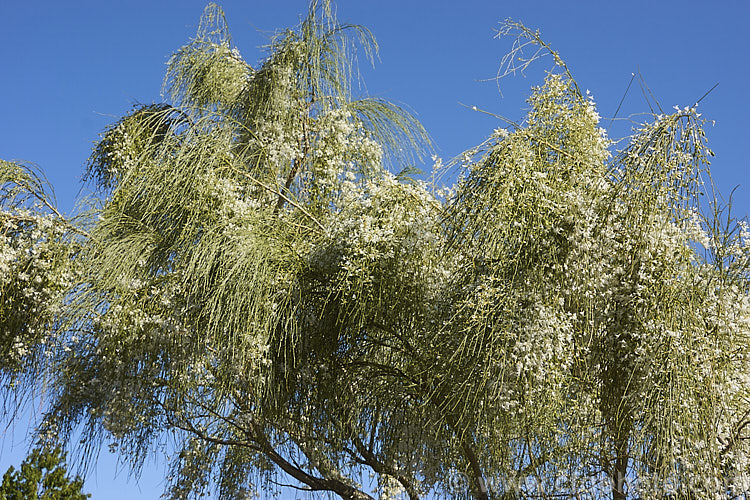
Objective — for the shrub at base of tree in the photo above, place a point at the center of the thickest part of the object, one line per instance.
(43, 476)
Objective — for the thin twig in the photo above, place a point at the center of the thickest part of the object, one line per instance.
(281, 195)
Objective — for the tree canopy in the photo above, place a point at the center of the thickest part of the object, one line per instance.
(262, 283)
(43, 476)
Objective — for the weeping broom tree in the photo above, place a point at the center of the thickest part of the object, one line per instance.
(253, 284)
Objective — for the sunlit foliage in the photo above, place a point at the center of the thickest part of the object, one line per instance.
(43, 475)
(259, 291)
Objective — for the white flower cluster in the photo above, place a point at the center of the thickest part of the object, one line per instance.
(390, 489)
(229, 72)
(279, 144)
(570, 120)
(237, 204)
(384, 237)
(342, 150)
(221, 78)
(122, 157)
(34, 273)
(384, 218)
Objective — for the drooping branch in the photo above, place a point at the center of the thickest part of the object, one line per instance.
(371, 460)
(343, 490)
(296, 162)
(257, 441)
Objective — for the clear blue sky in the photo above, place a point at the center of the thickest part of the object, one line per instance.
(68, 69)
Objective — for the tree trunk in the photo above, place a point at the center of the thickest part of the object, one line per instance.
(619, 472)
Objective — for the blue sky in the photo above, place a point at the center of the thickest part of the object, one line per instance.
(71, 68)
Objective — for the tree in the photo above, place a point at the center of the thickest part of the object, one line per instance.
(252, 281)
(43, 476)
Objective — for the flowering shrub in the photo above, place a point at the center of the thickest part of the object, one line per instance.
(255, 284)
(34, 272)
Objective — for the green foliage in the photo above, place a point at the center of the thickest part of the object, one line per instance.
(43, 476)
(256, 285)
(34, 264)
